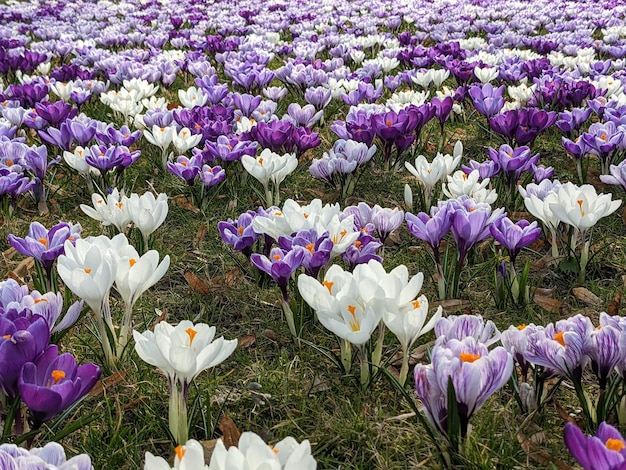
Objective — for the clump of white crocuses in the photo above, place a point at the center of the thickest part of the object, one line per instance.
(351, 305)
(270, 167)
(181, 352)
(145, 212)
(250, 452)
(93, 266)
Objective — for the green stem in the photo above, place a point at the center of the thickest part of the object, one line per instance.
(404, 370)
(378, 350)
(365, 367)
(346, 354)
(178, 415)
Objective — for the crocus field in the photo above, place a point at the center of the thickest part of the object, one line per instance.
(312, 234)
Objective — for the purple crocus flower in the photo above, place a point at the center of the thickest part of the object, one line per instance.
(443, 108)
(363, 250)
(470, 224)
(185, 168)
(82, 132)
(431, 228)
(228, 148)
(45, 245)
(280, 265)
(49, 456)
(488, 100)
(52, 383)
(541, 172)
(62, 137)
(570, 122)
(604, 451)
(318, 96)
(55, 113)
(247, 104)
(617, 175)
(577, 148)
(513, 162)
(514, 236)
(104, 158)
(211, 175)
(111, 136)
(274, 135)
(386, 220)
(475, 372)
(240, 234)
(303, 116)
(603, 140)
(21, 341)
(522, 126)
(317, 251)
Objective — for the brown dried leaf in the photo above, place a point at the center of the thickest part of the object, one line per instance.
(162, 317)
(449, 305)
(231, 205)
(230, 432)
(136, 402)
(246, 341)
(270, 334)
(42, 207)
(232, 277)
(614, 305)
(548, 303)
(200, 234)
(563, 413)
(517, 216)
(106, 383)
(537, 455)
(24, 267)
(183, 201)
(196, 284)
(8, 254)
(586, 296)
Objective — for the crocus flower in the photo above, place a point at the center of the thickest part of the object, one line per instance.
(45, 245)
(603, 140)
(514, 236)
(617, 175)
(21, 341)
(147, 212)
(475, 372)
(53, 382)
(604, 451)
(280, 265)
(112, 210)
(317, 249)
(181, 352)
(252, 452)
(488, 100)
(49, 457)
(189, 456)
(464, 326)
(240, 234)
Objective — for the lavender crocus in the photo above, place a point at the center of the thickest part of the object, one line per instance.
(280, 265)
(240, 234)
(317, 251)
(617, 175)
(53, 382)
(21, 341)
(474, 371)
(522, 126)
(45, 245)
(514, 236)
(603, 140)
(211, 175)
(488, 100)
(604, 451)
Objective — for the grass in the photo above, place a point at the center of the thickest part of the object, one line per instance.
(273, 386)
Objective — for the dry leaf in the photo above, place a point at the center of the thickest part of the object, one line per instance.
(451, 305)
(183, 201)
(548, 303)
(537, 455)
(563, 413)
(42, 207)
(200, 234)
(230, 432)
(108, 382)
(8, 254)
(270, 334)
(24, 267)
(162, 316)
(586, 296)
(232, 204)
(246, 341)
(232, 277)
(613, 308)
(136, 402)
(196, 284)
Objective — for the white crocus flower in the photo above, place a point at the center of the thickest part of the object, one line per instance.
(487, 74)
(161, 137)
(181, 352)
(88, 269)
(461, 183)
(264, 168)
(254, 454)
(110, 211)
(192, 97)
(134, 275)
(185, 140)
(147, 212)
(142, 88)
(76, 160)
(188, 457)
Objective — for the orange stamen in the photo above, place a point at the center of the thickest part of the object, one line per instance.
(329, 286)
(132, 262)
(559, 338)
(192, 334)
(469, 357)
(87, 270)
(43, 241)
(614, 444)
(57, 375)
(180, 452)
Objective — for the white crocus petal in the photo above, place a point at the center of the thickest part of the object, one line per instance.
(155, 463)
(148, 212)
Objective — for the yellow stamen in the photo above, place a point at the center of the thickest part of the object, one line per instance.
(192, 334)
(580, 204)
(41, 299)
(276, 257)
(311, 247)
(43, 241)
(559, 338)
(119, 205)
(132, 262)
(261, 161)
(469, 357)
(9, 162)
(57, 375)
(180, 452)
(329, 286)
(614, 444)
(87, 270)
(354, 324)
(521, 327)
(240, 231)
(6, 336)
(416, 304)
